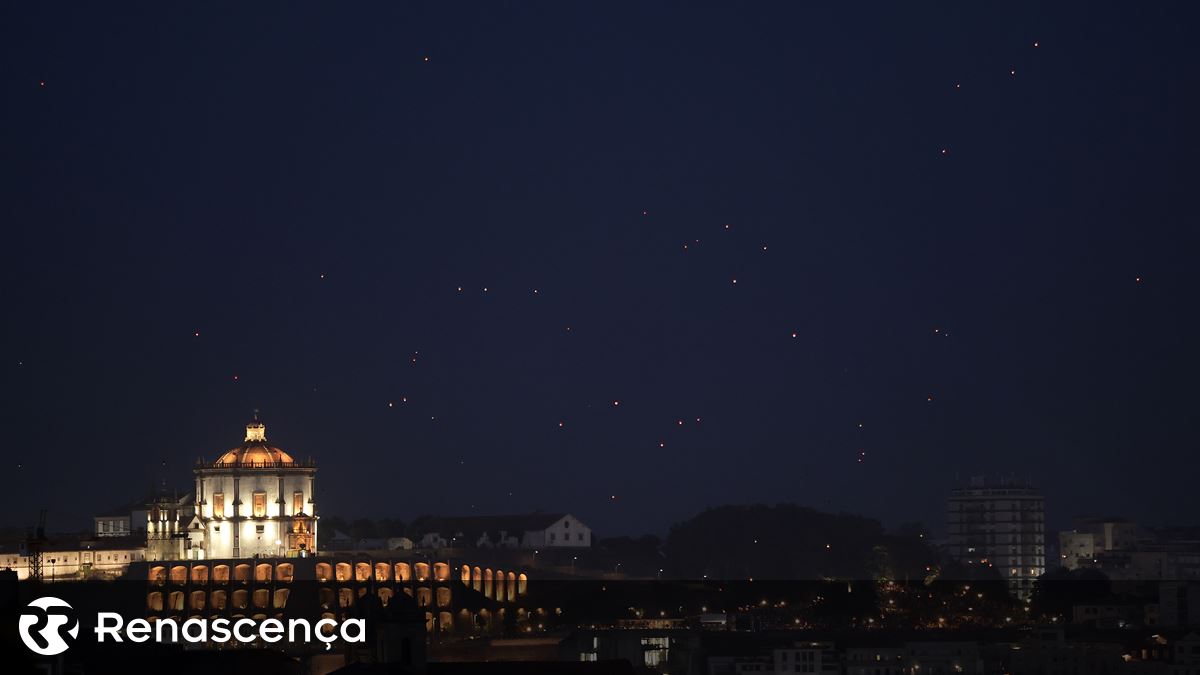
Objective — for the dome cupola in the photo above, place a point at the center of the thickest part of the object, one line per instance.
(254, 452)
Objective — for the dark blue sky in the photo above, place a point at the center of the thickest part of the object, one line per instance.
(169, 169)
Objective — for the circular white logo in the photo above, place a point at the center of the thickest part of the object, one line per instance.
(45, 623)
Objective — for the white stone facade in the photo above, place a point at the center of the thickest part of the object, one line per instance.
(254, 501)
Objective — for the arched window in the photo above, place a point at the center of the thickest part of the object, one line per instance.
(284, 572)
(403, 572)
(324, 571)
(383, 571)
(362, 571)
(200, 574)
(441, 571)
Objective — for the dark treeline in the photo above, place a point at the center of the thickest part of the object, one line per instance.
(784, 541)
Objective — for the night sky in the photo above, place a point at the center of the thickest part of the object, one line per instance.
(839, 255)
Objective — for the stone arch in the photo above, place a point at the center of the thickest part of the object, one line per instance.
(403, 572)
(512, 586)
(285, 572)
(424, 596)
(262, 572)
(443, 596)
(241, 599)
(441, 571)
(428, 622)
(345, 597)
(499, 593)
(343, 571)
(328, 629)
(179, 575)
(326, 598)
(200, 574)
(175, 601)
(522, 584)
(385, 595)
(445, 622)
(241, 573)
(279, 601)
(158, 575)
(383, 571)
(220, 574)
(362, 571)
(154, 601)
(219, 600)
(196, 601)
(421, 569)
(487, 582)
(477, 579)
(261, 597)
(463, 621)
(465, 575)
(324, 571)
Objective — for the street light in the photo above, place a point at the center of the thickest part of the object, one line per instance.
(573, 559)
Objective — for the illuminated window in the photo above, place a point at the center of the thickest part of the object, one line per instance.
(297, 501)
(260, 504)
(218, 505)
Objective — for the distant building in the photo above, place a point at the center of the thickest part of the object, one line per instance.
(122, 521)
(885, 660)
(68, 558)
(1091, 537)
(526, 531)
(1001, 526)
(807, 657)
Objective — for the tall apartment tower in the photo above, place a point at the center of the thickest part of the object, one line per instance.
(1001, 525)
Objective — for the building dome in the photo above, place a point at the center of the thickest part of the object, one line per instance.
(254, 452)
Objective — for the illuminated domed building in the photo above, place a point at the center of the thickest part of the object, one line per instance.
(254, 500)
